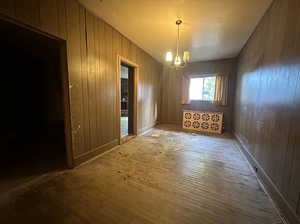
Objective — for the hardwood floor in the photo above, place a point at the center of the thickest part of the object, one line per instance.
(166, 176)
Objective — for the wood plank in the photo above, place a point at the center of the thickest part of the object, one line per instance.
(84, 79)
(28, 12)
(105, 84)
(92, 46)
(92, 70)
(267, 108)
(74, 68)
(115, 49)
(125, 47)
(111, 84)
(7, 8)
(141, 89)
(101, 91)
(166, 176)
(49, 16)
(62, 29)
(97, 80)
(139, 99)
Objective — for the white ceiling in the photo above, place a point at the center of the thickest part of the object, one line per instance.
(212, 29)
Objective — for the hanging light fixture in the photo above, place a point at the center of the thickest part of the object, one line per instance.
(177, 62)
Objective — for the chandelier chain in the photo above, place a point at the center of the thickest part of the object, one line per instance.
(177, 62)
(177, 53)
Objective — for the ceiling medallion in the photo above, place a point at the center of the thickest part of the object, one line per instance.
(176, 62)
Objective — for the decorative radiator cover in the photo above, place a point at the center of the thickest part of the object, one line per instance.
(203, 121)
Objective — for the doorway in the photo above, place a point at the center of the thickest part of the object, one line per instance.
(127, 100)
(35, 133)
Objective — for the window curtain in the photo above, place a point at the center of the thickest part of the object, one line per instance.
(221, 90)
(185, 96)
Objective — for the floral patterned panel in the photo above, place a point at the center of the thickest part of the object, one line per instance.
(203, 121)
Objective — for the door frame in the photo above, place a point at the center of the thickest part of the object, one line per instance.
(65, 85)
(122, 60)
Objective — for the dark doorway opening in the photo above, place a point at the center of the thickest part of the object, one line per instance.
(33, 124)
(127, 100)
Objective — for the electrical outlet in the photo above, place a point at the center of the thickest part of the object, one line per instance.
(255, 169)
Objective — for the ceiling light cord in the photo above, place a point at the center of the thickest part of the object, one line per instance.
(177, 53)
(177, 62)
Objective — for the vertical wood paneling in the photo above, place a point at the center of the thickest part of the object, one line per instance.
(171, 101)
(7, 8)
(97, 82)
(49, 9)
(267, 100)
(133, 51)
(158, 91)
(125, 47)
(105, 86)
(110, 83)
(61, 13)
(74, 67)
(28, 12)
(143, 87)
(84, 81)
(291, 46)
(101, 89)
(115, 50)
(92, 49)
(139, 97)
(92, 73)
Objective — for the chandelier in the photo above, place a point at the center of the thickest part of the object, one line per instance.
(177, 62)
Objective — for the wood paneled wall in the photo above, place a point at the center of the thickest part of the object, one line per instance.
(267, 111)
(92, 49)
(171, 89)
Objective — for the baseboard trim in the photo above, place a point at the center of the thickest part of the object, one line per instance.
(171, 122)
(95, 152)
(143, 131)
(285, 209)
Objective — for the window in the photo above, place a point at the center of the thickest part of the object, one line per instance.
(203, 88)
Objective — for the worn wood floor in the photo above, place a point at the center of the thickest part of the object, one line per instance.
(166, 176)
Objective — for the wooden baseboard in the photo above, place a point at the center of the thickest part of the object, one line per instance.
(171, 122)
(285, 209)
(146, 129)
(127, 138)
(97, 151)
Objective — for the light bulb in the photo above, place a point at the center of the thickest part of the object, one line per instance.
(177, 60)
(169, 56)
(186, 56)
